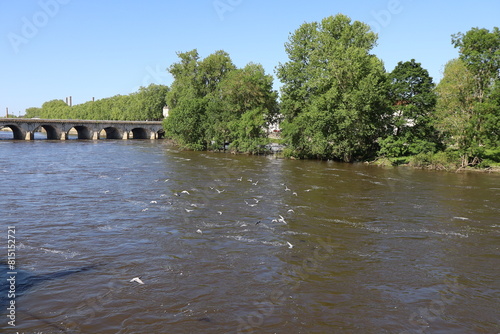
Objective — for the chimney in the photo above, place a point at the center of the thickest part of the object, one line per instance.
(7, 112)
(93, 99)
(70, 101)
(67, 102)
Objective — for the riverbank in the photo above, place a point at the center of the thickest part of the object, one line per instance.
(445, 161)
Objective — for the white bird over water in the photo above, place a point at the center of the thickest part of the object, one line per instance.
(185, 192)
(289, 245)
(137, 280)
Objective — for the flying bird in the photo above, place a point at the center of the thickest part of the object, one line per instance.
(137, 280)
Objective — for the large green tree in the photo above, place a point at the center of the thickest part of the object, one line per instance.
(213, 103)
(334, 91)
(413, 100)
(468, 104)
(480, 51)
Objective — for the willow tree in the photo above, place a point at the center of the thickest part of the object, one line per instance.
(334, 91)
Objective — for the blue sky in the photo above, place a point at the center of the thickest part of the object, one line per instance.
(51, 49)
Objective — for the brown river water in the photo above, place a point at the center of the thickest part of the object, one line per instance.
(242, 244)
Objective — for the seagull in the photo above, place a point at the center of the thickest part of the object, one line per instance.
(187, 210)
(153, 202)
(286, 188)
(137, 280)
(282, 220)
(219, 212)
(257, 223)
(220, 191)
(291, 211)
(194, 205)
(144, 210)
(199, 231)
(185, 192)
(166, 180)
(255, 183)
(107, 191)
(294, 193)
(176, 194)
(289, 245)
(240, 178)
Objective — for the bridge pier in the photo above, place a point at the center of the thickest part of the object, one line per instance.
(29, 135)
(125, 135)
(64, 136)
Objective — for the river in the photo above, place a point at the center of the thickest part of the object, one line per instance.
(244, 244)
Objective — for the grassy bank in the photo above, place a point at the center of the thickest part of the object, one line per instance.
(448, 160)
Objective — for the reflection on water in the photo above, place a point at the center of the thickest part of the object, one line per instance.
(228, 244)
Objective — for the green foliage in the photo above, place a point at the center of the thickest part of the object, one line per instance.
(213, 103)
(445, 160)
(480, 51)
(334, 91)
(146, 104)
(413, 100)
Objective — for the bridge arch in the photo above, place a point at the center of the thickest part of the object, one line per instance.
(140, 133)
(83, 132)
(52, 132)
(18, 132)
(113, 133)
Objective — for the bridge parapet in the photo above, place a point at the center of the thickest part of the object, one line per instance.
(58, 129)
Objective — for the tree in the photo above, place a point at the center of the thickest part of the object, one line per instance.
(455, 108)
(150, 102)
(480, 51)
(334, 91)
(242, 106)
(468, 107)
(194, 81)
(213, 103)
(413, 100)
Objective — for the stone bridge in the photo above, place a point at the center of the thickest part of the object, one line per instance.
(58, 129)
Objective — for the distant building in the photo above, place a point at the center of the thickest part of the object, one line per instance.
(165, 111)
